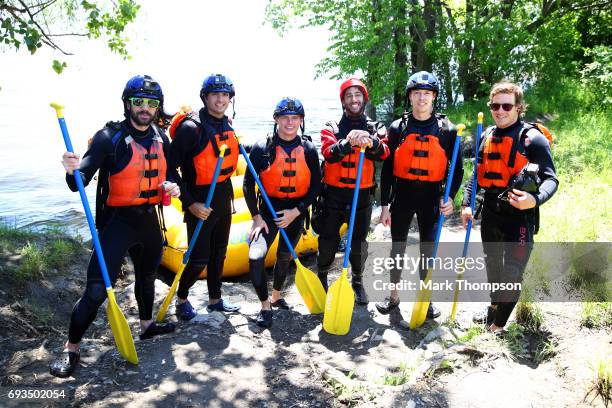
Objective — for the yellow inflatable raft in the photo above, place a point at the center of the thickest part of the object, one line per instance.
(237, 258)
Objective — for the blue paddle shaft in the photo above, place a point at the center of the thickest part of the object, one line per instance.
(349, 238)
(209, 197)
(449, 180)
(474, 188)
(266, 199)
(90, 220)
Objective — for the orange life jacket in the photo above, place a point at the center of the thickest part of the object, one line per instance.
(421, 157)
(343, 174)
(138, 183)
(499, 160)
(288, 175)
(205, 161)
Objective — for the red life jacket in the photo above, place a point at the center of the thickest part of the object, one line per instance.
(288, 176)
(421, 157)
(499, 159)
(138, 183)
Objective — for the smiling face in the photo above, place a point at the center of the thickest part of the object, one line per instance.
(421, 101)
(217, 103)
(353, 101)
(288, 126)
(504, 118)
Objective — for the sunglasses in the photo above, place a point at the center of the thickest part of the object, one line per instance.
(505, 106)
(142, 102)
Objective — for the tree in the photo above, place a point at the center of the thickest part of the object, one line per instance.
(469, 44)
(43, 23)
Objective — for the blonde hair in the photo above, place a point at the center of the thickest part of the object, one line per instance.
(506, 87)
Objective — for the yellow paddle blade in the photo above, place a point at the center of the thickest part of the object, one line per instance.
(121, 329)
(163, 309)
(456, 296)
(339, 305)
(419, 312)
(310, 287)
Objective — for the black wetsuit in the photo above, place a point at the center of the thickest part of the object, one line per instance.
(507, 233)
(121, 229)
(211, 245)
(338, 200)
(410, 197)
(260, 156)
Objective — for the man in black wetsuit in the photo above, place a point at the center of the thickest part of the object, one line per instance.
(340, 146)
(288, 166)
(421, 147)
(509, 218)
(131, 157)
(195, 149)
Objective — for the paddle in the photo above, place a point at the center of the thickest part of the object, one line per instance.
(419, 312)
(340, 299)
(307, 282)
(472, 202)
(119, 325)
(164, 306)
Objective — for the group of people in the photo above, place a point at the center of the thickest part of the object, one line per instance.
(138, 164)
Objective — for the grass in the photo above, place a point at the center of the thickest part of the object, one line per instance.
(400, 377)
(27, 255)
(596, 315)
(472, 333)
(602, 384)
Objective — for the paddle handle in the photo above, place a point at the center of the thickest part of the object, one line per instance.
(79, 182)
(349, 237)
(209, 197)
(265, 197)
(474, 183)
(449, 180)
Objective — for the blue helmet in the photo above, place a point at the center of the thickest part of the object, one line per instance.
(143, 86)
(217, 83)
(423, 80)
(289, 106)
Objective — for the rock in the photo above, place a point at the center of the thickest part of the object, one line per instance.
(405, 324)
(214, 319)
(410, 404)
(381, 233)
(440, 332)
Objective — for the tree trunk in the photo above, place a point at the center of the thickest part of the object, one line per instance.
(400, 58)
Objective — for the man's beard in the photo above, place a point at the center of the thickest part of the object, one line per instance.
(141, 121)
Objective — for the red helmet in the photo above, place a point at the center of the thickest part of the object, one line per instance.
(354, 82)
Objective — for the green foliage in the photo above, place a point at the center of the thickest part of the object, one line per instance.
(36, 24)
(382, 39)
(529, 315)
(59, 253)
(31, 263)
(596, 315)
(399, 376)
(545, 351)
(472, 333)
(602, 384)
(597, 75)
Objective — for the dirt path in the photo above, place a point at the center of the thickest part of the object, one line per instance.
(219, 361)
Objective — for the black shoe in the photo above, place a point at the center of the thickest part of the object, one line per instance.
(432, 312)
(156, 329)
(486, 316)
(223, 306)
(65, 365)
(361, 297)
(387, 306)
(264, 318)
(280, 304)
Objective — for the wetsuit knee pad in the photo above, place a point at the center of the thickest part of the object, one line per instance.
(95, 293)
(258, 249)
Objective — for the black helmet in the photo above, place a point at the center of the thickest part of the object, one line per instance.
(142, 86)
(423, 80)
